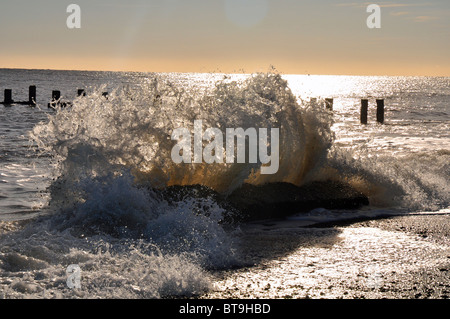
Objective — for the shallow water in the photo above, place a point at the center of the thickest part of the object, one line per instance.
(353, 262)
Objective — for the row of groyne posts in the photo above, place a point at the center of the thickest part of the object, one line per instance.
(56, 101)
(364, 108)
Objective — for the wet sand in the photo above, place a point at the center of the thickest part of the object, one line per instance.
(397, 258)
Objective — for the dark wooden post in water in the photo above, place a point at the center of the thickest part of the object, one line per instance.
(56, 95)
(8, 97)
(32, 95)
(81, 92)
(380, 111)
(329, 104)
(364, 108)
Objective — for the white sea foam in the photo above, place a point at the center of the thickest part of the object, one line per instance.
(127, 243)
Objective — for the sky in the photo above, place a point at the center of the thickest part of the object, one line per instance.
(241, 36)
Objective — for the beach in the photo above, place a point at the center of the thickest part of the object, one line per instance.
(405, 257)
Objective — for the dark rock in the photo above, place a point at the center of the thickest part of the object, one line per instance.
(274, 200)
(179, 193)
(278, 200)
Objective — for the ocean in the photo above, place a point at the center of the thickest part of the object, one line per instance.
(78, 184)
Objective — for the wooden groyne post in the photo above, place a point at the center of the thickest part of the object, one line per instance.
(380, 111)
(32, 95)
(8, 97)
(364, 109)
(329, 104)
(56, 95)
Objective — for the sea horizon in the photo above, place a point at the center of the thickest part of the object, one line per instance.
(222, 72)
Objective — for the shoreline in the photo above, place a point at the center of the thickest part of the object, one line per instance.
(397, 257)
(401, 257)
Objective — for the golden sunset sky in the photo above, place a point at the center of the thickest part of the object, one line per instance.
(295, 36)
